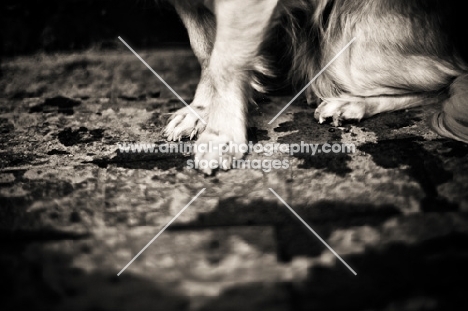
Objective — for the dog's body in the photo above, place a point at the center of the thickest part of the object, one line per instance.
(404, 55)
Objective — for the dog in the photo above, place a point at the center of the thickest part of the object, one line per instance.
(405, 53)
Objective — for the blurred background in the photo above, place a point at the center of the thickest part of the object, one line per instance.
(29, 26)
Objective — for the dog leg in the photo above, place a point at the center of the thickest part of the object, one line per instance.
(241, 27)
(201, 27)
(357, 108)
(224, 89)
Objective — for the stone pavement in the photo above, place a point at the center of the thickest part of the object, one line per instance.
(74, 210)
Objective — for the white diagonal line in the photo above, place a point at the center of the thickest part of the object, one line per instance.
(160, 232)
(312, 81)
(162, 80)
(312, 230)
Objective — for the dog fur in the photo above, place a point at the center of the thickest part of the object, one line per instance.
(406, 53)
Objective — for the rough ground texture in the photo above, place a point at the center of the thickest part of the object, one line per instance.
(74, 211)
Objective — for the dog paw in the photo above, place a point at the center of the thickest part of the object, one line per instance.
(339, 110)
(185, 123)
(218, 150)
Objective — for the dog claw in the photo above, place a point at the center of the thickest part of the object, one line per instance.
(192, 135)
(228, 166)
(336, 120)
(207, 171)
(182, 124)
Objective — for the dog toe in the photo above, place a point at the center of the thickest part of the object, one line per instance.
(220, 152)
(339, 111)
(184, 123)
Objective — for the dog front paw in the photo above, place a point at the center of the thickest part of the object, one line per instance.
(340, 110)
(218, 150)
(184, 123)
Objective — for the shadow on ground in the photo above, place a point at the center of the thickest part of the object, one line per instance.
(425, 276)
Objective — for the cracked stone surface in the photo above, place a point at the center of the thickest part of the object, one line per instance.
(74, 210)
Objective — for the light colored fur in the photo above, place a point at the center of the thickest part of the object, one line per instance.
(225, 85)
(401, 58)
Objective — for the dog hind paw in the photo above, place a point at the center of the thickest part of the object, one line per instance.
(339, 110)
